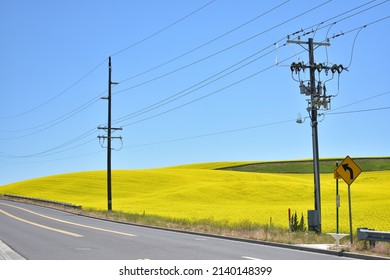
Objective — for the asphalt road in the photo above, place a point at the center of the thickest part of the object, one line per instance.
(41, 233)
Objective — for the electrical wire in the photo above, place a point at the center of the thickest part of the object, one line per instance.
(152, 107)
(360, 101)
(358, 111)
(174, 97)
(77, 138)
(207, 95)
(91, 102)
(203, 45)
(35, 161)
(46, 126)
(55, 149)
(163, 29)
(348, 17)
(196, 86)
(209, 134)
(86, 75)
(330, 112)
(56, 96)
(305, 32)
(62, 118)
(223, 50)
(176, 70)
(66, 116)
(249, 127)
(329, 19)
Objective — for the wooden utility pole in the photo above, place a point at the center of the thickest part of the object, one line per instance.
(109, 129)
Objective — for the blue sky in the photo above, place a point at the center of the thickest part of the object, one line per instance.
(199, 81)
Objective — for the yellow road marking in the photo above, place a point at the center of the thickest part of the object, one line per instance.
(41, 226)
(70, 223)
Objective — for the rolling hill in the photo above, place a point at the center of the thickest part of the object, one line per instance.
(216, 192)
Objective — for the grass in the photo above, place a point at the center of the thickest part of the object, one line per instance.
(306, 166)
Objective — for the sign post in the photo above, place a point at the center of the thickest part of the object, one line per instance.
(337, 177)
(350, 213)
(348, 170)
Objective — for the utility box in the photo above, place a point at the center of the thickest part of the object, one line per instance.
(312, 217)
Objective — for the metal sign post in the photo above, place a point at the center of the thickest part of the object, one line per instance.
(348, 170)
(350, 213)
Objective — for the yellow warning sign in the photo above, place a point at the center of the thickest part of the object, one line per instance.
(348, 170)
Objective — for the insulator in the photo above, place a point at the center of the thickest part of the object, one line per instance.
(338, 68)
(319, 89)
(302, 88)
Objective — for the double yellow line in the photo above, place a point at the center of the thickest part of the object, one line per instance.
(58, 220)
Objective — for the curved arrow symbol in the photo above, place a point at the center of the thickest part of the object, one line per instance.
(346, 167)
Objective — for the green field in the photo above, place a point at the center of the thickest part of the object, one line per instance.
(306, 166)
(200, 192)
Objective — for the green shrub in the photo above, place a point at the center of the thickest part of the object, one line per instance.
(297, 225)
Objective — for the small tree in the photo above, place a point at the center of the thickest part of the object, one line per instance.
(297, 225)
(294, 222)
(301, 226)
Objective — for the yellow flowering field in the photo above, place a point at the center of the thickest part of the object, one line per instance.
(196, 192)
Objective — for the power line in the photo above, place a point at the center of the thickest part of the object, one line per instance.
(164, 101)
(360, 27)
(344, 18)
(329, 19)
(66, 116)
(204, 44)
(210, 134)
(86, 75)
(51, 123)
(221, 51)
(163, 29)
(358, 111)
(58, 95)
(174, 97)
(76, 138)
(152, 107)
(234, 45)
(81, 108)
(207, 95)
(60, 149)
(360, 101)
(196, 86)
(56, 159)
(242, 129)
(264, 125)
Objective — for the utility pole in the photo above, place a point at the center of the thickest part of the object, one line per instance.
(314, 125)
(318, 99)
(109, 128)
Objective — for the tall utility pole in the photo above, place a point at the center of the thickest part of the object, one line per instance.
(314, 125)
(109, 128)
(318, 99)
